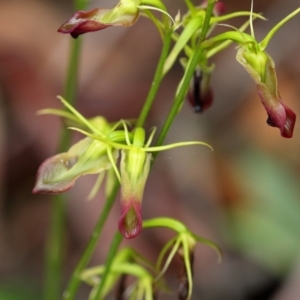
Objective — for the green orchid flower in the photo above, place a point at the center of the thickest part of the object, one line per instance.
(98, 152)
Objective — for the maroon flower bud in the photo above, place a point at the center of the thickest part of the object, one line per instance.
(200, 94)
(125, 13)
(283, 118)
(261, 67)
(82, 22)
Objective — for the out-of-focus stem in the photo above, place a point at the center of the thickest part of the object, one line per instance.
(55, 245)
(157, 79)
(179, 98)
(74, 282)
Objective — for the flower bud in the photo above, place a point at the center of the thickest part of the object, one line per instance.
(125, 13)
(200, 94)
(261, 68)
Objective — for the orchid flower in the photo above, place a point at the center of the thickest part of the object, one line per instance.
(135, 166)
(58, 174)
(261, 67)
(125, 13)
(98, 152)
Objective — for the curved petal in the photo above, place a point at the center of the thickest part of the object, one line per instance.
(264, 74)
(98, 19)
(58, 174)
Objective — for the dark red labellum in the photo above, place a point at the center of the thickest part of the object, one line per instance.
(199, 96)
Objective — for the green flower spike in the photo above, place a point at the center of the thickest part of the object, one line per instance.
(183, 244)
(99, 152)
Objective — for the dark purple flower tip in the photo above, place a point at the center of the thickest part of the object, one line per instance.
(130, 222)
(279, 115)
(83, 22)
(199, 95)
(287, 125)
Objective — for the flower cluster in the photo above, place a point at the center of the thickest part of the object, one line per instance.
(99, 152)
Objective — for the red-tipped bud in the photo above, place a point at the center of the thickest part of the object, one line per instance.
(83, 22)
(261, 67)
(123, 14)
(135, 166)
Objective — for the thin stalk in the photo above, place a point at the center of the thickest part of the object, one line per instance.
(54, 250)
(108, 263)
(179, 98)
(158, 76)
(55, 242)
(74, 282)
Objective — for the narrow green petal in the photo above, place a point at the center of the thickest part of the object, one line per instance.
(175, 145)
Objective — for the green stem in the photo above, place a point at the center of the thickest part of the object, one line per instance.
(108, 263)
(74, 282)
(55, 243)
(54, 250)
(179, 98)
(158, 76)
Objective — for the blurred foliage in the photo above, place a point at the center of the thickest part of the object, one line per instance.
(265, 225)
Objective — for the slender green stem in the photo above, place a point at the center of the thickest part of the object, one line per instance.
(74, 282)
(108, 263)
(54, 250)
(55, 243)
(179, 98)
(157, 79)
